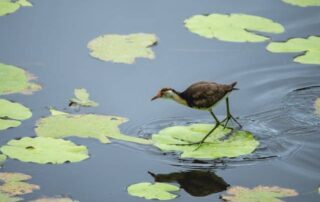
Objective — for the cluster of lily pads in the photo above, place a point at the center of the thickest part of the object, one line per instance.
(49, 146)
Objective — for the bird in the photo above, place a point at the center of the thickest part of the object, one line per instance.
(203, 95)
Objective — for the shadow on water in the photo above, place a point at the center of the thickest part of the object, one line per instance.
(274, 129)
(197, 183)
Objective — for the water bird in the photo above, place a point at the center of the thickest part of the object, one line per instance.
(205, 96)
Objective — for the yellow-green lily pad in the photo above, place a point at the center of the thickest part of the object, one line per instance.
(82, 97)
(57, 199)
(123, 48)
(7, 198)
(9, 6)
(44, 150)
(100, 127)
(12, 113)
(160, 191)
(14, 184)
(317, 106)
(259, 193)
(16, 80)
(303, 3)
(310, 48)
(234, 27)
(175, 138)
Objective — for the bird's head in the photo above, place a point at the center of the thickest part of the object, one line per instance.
(166, 93)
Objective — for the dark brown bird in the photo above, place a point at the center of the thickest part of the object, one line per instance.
(202, 96)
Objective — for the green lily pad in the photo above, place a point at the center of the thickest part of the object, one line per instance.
(14, 184)
(310, 48)
(12, 113)
(239, 143)
(8, 6)
(259, 193)
(100, 127)
(7, 198)
(82, 98)
(44, 150)
(160, 191)
(54, 200)
(317, 106)
(16, 80)
(233, 27)
(123, 48)
(303, 3)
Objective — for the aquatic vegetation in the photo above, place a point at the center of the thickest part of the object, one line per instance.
(317, 106)
(160, 191)
(303, 3)
(9, 6)
(82, 97)
(44, 150)
(233, 27)
(176, 138)
(7, 198)
(57, 199)
(259, 193)
(11, 114)
(310, 48)
(3, 158)
(14, 184)
(100, 127)
(123, 48)
(16, 80)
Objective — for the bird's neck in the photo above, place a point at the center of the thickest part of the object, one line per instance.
(176, 96)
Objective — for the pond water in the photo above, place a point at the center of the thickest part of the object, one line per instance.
(275, 100)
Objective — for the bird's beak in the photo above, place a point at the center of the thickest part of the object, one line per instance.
(156, 97)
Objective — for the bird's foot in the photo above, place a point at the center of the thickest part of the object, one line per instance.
(226, 120)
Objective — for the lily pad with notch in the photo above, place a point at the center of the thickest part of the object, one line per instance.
(178, 139)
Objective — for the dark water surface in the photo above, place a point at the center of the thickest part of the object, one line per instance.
(50, 41)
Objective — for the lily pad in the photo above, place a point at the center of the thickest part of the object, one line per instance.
(82, 98)
(160, 191)
(175, 138)
(259, 193)
(233, 27)
(7, 198)
(44, 150)
(9, 6)
(14, 184)
(54, 200)
(100, 127)
(16, 80)
(123, 48)
(310, 48)
(303, 3)
(317, 106)
(12, 113)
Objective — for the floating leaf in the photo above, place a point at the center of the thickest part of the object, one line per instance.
(86, 126)
(303, 3)
(123, 48)
(160, 191)
(82, 98)
(16, 80)
(10, 110)
(56, 112)
(233, 27)
(3, 158)
(317, 106)
(8, 6)
(310, 47)
(54, 200)
(7, 198)
(239, 143)
(259, 193)
(14, 185)
(44, 150)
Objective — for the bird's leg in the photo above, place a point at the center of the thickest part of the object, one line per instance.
(215, 118)
(229, 115)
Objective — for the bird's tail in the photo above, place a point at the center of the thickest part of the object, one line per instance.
(233, 86)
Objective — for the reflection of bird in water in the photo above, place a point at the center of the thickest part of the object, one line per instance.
(203, 96)
(196, 183)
